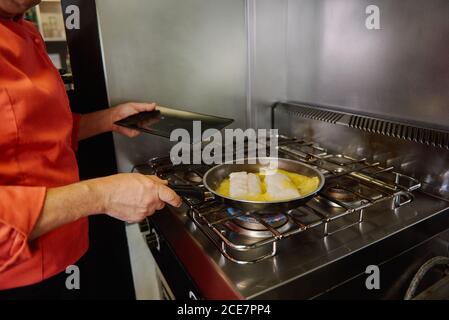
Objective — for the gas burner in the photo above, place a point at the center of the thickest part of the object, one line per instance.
(339, 196)
(251, 224)
(193, 177)
(340, 193)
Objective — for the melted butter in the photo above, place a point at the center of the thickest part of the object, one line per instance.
(304, 184)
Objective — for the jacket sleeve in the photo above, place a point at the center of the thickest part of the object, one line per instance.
(75, 130)
(20, 208)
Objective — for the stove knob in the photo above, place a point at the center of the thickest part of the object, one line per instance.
(153, 240)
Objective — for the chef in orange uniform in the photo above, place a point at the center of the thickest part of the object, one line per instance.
(43, 205)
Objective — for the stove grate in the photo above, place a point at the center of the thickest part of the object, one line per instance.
(368, 185)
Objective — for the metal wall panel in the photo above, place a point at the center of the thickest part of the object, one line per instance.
(193, 54)
(400, 71)
(321, 52)
(186, 54)
(267, 22)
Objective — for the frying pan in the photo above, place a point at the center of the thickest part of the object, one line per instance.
(216, 175)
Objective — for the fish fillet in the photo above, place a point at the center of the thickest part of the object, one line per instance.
(254, 185)
(238, 187)
(280, 187)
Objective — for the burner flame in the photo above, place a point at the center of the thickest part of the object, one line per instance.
(247, 221)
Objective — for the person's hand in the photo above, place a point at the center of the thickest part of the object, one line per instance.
(132, 197)
(126, 110)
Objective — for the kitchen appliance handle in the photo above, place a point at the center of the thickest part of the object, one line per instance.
(186, 190)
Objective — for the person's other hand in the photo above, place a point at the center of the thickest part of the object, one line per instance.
(126, 110)
(132, 197)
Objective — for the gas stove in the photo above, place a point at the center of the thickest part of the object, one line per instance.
(250, 254)
(355, 189)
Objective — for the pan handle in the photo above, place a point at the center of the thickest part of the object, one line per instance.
(186, 190)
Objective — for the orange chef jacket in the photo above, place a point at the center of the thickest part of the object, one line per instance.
(37, 141)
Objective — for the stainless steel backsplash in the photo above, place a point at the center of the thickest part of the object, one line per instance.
(321, 52)
(235, 58)
(185, 54)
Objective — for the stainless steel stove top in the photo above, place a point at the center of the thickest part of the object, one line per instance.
(252, 255)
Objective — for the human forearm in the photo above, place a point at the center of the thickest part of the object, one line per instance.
(128, 197)
(65, 205)
(94, 123)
